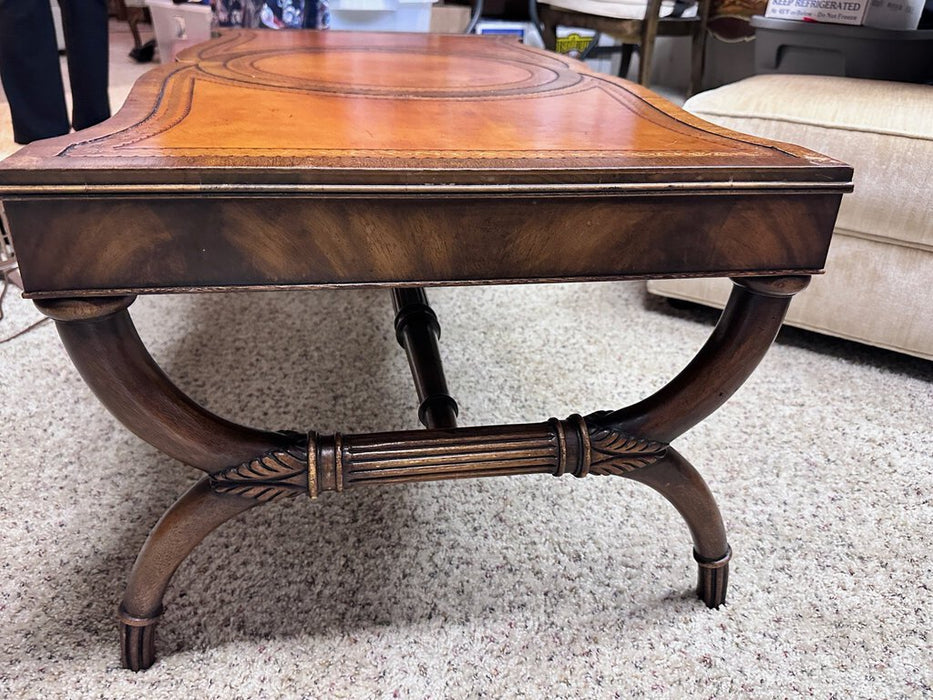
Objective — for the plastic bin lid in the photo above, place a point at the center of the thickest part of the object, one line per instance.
(374, 5)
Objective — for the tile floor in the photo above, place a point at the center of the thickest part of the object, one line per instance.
(123, 73)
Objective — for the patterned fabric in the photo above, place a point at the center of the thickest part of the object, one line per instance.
(271, 14)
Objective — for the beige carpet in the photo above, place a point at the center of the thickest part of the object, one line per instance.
(525, 587)
(529, 586)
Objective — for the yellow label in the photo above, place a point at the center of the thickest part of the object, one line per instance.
(573, 44)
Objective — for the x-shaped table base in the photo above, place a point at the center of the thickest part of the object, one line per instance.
(245, 467)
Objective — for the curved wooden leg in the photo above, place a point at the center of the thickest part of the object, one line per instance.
(102, 341)
(746, 329)
(103, 344)
(190, 519)
(676, 479)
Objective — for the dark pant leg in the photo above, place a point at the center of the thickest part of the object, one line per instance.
(87, 43)
(30, 71)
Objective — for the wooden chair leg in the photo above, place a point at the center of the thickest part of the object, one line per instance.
(549, 36)
(698, 51)
(645, 56)
(135, 15)
(649, 32)
(625, 64)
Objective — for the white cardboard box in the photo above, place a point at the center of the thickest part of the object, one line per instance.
(882, 14)
(834, 11)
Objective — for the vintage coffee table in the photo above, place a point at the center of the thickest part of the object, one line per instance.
(275, 160)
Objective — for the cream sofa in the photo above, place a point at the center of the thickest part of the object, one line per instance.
(878, 286)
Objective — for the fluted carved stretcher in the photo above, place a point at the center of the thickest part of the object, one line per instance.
(266, 160)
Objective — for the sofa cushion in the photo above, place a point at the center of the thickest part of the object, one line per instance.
(873, 293)
(883, 129)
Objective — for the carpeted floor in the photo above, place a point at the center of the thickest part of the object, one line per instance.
(530, 586)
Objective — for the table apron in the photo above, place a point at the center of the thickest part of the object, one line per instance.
(130, 244)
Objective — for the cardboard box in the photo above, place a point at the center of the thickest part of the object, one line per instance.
(832, 11)
(449, 19)
(882, 14)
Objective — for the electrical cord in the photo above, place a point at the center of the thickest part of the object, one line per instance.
(6, 339)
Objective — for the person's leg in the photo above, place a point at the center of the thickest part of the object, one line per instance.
(86, 39)
(30, 70)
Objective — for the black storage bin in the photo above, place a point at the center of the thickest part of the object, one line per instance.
(812, 48)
